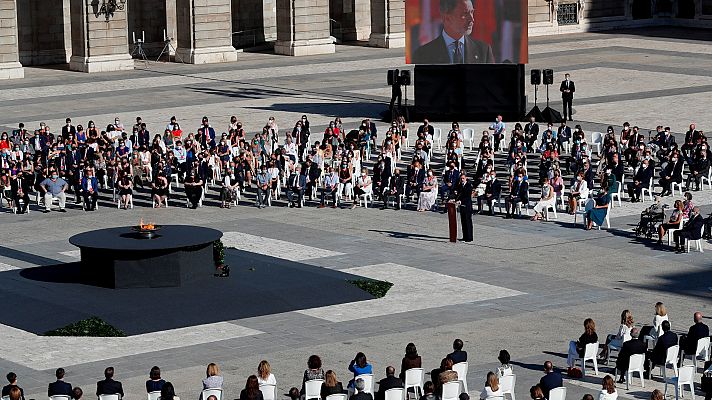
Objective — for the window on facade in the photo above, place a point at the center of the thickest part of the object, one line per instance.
(567, 14)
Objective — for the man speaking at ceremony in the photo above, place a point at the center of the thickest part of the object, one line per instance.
(454, 45)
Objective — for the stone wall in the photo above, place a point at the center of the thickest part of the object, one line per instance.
(10, 66)
(254, 22)
(44, 35)
(204, 31)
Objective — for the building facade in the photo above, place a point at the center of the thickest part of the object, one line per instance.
(101, 35)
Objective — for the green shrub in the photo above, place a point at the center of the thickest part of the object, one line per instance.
(93, 326)
(375, 288)
(218, 252)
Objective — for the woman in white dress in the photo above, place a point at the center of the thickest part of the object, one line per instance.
(548, 199)
(428, 194)
(660, 316)
(492, 391)
(264, 374)
(608, 391)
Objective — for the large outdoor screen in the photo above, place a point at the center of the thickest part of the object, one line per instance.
(466, 31)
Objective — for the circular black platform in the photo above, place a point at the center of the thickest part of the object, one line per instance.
(121, 258)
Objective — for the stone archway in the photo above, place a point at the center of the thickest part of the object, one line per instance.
(44, 32)
(254, 22)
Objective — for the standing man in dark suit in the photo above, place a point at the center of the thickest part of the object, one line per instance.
(692, 230)
(633, 346)
(60, 387)
(109, 385)
(458, 355)
(688, 343)
(396, 92)
(464, 201)
(568, 88)
(454, 45)
(551, 379)
(389, 382)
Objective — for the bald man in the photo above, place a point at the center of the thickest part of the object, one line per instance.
(696, 332)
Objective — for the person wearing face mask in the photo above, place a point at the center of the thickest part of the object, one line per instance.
(699, 168)
(463, 200)
(671, 173)
(450, 179)
(691, 230)
(518, 194)
(548, 199)
(395, 188)
(90, 186)
(642, 179)
(54, 187)
(263, 179)
(493, 189)
(563, 135)
(579, 190)
(68, 128)
(363, 186)
(567, 88)
(428, 192)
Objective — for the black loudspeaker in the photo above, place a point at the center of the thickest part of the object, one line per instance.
(405, 77)
(536, 77)
(393, 75)
(548, 76)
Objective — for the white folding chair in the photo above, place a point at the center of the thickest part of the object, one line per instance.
(312, 389)
(114, 396)
(438, 137)
(698, 242)
(551, 207)
(596, 140)
(451, 391)
(648, 189)
(703, 351)
(338, 396)
(707, 178)
(174, 178)
(461, 369)
(670, 359)
(672, 230)
(589, 354)
(684, 378)
(617, 195)
(468, 136)
(269, 391)
(506, 383)
(636, 364)
(393, 394)
(367, 382)
(211, 392)
(155, 395)
(414, 378)
(365, 198)
(558, 393)
(63, 397)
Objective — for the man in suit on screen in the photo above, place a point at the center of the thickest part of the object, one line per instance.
(454, 45)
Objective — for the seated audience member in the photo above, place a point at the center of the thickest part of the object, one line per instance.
(331, 385)
(493, 189)
(212, 379)
(154, 382)
(505, 367)
(491, 390)
(691, 230)
(458, 355)
(608, 389)
(12, 383)
(77, 393)
(597, 214)
(577, 348)
(428, 392)
(193, 189)
(264, 374)
(313, 370)
(54, 187)
(359, 394)
(673, 222)
(664, 342)
(363, 185)
(428, 192)
(296, 186)
(359, 366)
(411, 359)
(699, 168)
(159, 189)
(623, 333)
(548, 199)
(535, 393)
(633, 346)
(125, 191)
(90, 186)
(688, 343)
(551, 380)
(389, 382)
(331, 184)
(59, 387)
(641, 180)
(109, 385)
(168, 392)
(450, 179)
(579, 190)
(671, 173)
(20, 189)
(252, 389)
(518, 194)
(445, 365)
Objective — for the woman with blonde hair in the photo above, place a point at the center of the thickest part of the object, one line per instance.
(577, 348)
(492, 389)
(331, 385)
(608, 390)
(660, 316)
(264, 374)
(212, 380)
(622, 336)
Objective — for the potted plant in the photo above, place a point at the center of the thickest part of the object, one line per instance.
(222, 270)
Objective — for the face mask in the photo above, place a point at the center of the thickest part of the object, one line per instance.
(55, 176)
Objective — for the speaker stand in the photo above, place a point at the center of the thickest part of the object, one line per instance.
(536, 112)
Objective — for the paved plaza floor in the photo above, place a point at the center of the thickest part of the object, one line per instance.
(521, 286)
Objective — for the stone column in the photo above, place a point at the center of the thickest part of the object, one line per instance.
(171, 29)
(355, 19)
(387, 23)
(303, 28)
(98, 45)
(10, 66)
(204, 30)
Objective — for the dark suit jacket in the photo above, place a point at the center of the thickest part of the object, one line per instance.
(361, 396)
(532, 129)
(633, 346)
(6, 391)
(572, 88)
(436, 52)
(695, 333)
(667, 340)
(109, 386)
(464, 196)
(644, 175)
(694, 226)
(386, 383)
(430, 130)
(94, 184)
(674, 171)
(458, 356)
(552, 380)
(59, 388)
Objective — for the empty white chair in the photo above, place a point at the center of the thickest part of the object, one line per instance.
(558, 393)
(438, 137)
(155, 395)
(312, 389)
(589, 354)
(461, 369)
(64, 397)
(269, 391)
(451, 391)
(670, 359)
(506, 384)
(393, 394)
(338, 396)
(468, 136)
(211, 392)
(114, 396)
(684, 378)
(636, 364)
(414, 378)
(703, 351)
(596, 141)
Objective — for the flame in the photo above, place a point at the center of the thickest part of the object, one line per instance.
(146, 227)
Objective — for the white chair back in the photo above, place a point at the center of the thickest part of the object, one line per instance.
(636, 362)
(114, 396)
(703, 348)
(591, 350)
(59, 397)
(414, 377)
(211, 392)
(155, 395)
(507, 382)
(672, 354)
(451, 391)
(461, 369)
(269, 391)
(338, 396)
(685, 374)
(558, 393)
(367, 382)
(312, 389)
(393, 394)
